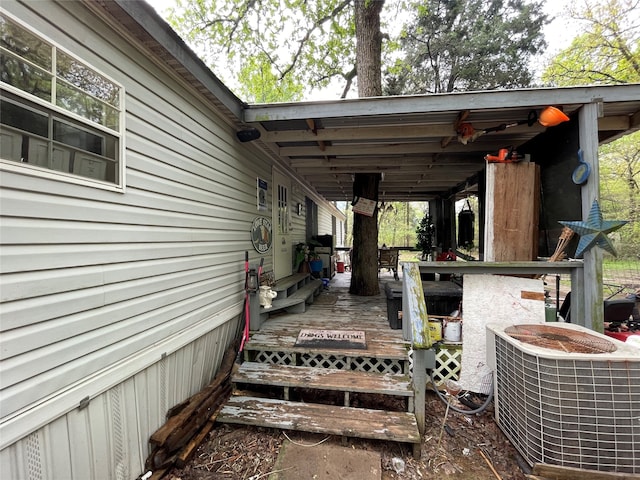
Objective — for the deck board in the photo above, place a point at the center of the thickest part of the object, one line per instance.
(317, 418)
(323, 378)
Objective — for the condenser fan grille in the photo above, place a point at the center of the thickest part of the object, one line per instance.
(556, 338)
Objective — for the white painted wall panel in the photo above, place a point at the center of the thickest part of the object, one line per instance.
(97, 285)
(108, 439)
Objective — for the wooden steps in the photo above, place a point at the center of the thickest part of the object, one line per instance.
(325, 389)
(287, 376)
(294, 294)
(285, 341)
(327, 419)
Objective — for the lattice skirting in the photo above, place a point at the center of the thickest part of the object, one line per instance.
(448, 362)
(361, 364)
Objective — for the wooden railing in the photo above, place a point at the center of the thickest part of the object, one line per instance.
(415, 321)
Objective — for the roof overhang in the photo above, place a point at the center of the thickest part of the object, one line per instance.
(411, 141)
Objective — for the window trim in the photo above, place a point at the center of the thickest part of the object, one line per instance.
(120, 134)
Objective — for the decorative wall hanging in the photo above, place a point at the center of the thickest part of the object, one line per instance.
(261, 236)
(594, 231)
(364, 206)
(261, 194)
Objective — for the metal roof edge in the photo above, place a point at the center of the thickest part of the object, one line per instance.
(442, 102)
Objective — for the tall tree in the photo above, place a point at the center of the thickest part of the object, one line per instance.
(608, 52)
(462, 45)
(364, 276)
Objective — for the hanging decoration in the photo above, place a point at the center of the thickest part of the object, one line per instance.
(466, 218)
(594, 231)
(363, 206)
(261, 234)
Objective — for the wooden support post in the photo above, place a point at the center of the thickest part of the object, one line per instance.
(419, 386)
(593, 313)
(415, 328)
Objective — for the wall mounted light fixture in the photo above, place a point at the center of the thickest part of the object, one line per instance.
(248, 134)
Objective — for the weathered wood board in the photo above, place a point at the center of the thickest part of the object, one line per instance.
(323, 379)
(513, 197)
(317, 418)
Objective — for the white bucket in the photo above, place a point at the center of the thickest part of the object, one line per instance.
(452, 330)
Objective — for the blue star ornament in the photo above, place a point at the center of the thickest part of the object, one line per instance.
(594, 231)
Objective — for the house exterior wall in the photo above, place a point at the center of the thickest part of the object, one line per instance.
(117, 305)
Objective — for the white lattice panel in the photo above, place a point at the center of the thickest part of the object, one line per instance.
(377, 365)
(448, 364)
(324, 361)
(276, 358)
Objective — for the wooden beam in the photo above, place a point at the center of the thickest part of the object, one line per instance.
(557, 472)
(569, 98)
(423, 162)
(377, 149)
(312, 127)
(359, 133)
(592, 314)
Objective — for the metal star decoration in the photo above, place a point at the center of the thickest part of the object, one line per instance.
(594, 231)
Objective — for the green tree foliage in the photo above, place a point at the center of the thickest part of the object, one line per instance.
(620, 189)
(304, 44)
(397, 223)
(259, 84)
(463, 45)
(607, 52)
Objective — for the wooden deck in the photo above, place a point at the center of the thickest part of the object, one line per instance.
(274, 366)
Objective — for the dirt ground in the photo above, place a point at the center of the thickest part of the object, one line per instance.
(468, 449)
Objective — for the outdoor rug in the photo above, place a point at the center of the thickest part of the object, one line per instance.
(352, 339)
(326, 299)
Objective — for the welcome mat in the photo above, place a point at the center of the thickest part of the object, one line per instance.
(352, 339)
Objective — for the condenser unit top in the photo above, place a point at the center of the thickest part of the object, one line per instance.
(565, 340)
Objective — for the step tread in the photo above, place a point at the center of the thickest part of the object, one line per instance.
(317, 418)
(323, 378)
(290, 281)
(285, 343)
(300, 295)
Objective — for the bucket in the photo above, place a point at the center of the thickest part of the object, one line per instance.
(435, 330)
(452, 330)
(340, 267)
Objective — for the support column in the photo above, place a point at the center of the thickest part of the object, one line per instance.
(588, 310)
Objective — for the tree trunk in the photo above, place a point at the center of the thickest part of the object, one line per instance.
(364, 266)
(368, 47)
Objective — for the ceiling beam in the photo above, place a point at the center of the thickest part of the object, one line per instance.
(380, 149)
(385, 162)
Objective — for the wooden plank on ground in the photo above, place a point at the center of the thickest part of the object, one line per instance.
(327, 419)
(557, 472)
(323, 379)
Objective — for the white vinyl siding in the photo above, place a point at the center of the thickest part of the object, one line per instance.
(98, 285)
(108, 438)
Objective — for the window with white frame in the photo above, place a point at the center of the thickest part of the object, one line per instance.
(56, 112)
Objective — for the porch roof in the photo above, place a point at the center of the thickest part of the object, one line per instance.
(410, 140)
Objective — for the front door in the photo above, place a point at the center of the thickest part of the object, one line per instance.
(282, 249)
